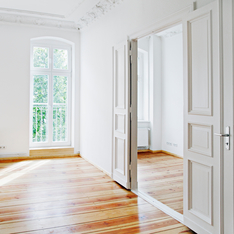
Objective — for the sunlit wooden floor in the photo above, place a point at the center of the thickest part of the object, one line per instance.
(72, 196)
(161, 177)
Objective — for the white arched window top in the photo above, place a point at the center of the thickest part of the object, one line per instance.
(50, 102)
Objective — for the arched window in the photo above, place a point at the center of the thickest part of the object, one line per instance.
(51, 68)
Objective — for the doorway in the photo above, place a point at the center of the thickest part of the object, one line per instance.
(202, 118)
(160, 117)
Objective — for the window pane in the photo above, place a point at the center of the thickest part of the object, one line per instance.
(60, 119)
(40, 108)
(60, 59)
(60, 89)
(40, 89)
(40, 116)
(41, 57)
(59, 123)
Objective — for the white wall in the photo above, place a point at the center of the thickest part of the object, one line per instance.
(96, 69)
(155, 66)
(172, 94)
(14, 83)
(166, 91)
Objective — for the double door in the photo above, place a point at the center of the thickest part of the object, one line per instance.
(203, 149)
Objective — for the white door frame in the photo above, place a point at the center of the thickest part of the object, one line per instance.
(226, 16)
(227, 72)
(158, 26)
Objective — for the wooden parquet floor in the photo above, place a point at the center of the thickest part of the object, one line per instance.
(161, 177)
(72, 196)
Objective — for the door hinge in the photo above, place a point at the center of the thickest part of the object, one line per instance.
(130, 167)
(130, 116)
(130, 54)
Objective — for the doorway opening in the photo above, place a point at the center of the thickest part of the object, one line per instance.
(160, 117)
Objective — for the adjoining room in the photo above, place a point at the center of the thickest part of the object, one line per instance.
(160, 117)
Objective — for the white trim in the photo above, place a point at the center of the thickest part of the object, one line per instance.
(94, 164)
(162, 24)
(38, 21)
(26, 12)
(143, 121)
(112, 114)
(9, 155)
(174, 214)
(158, 26)
(58, 20)
(100, 9)
(227, 57)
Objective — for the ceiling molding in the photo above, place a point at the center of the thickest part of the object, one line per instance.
(38, 21)
(100, 9)
(33, 13)
(171, 33)
(56, 20)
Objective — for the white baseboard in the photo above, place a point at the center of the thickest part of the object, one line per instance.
(94, 164)
(10, 155)
(174, 214)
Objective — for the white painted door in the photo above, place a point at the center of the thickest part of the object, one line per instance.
(202, 149)
(121, 119)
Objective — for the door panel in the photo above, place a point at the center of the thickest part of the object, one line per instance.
(202, 92)
(121, 124)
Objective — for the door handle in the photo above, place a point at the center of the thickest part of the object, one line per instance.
(222, 135)
(227, 136)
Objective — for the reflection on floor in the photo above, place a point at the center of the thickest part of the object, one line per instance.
(72, 196)
(161, 177)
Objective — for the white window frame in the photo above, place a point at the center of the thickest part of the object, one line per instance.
(51, 44)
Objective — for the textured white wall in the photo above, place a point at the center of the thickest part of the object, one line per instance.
(96, 69)
(14, 83)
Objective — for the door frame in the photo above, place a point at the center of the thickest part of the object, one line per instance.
(159, 26)
(227, 188)
(227, 73)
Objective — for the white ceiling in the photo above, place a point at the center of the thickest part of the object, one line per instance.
(66, 12)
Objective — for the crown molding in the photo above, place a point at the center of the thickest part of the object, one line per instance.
(57, 21)
(171, 33)
(100, 9)
(33, 13)
(38, 21)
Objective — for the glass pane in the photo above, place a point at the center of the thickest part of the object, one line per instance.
(40, 116)
(60, 89)
(60, 59)
(40, 89)
(40, 108)
(60, 86)
(41, 57)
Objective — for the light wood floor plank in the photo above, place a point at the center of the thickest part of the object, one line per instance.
(72, 196)
(161, 177)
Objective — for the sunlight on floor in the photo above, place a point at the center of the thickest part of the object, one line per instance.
(17, 174)
(13, 167)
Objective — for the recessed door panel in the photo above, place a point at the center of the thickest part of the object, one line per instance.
(202, 117)
(199, 64)
(200, 190)
(200, 138)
